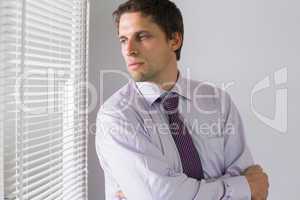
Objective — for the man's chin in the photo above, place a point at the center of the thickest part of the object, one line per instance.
(137, 77)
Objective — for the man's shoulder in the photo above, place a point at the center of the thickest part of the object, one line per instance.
(208, 89)
(122, 94)
(209, 95)
(121, 102)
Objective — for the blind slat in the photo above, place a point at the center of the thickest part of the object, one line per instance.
(43, 49)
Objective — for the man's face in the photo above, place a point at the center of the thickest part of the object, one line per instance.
(149, 55)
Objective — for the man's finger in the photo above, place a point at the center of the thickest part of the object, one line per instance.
(253, 169)
(120, 195)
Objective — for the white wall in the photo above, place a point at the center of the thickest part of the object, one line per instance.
(239, 42)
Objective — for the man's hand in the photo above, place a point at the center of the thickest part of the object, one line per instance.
(120, 195)
(257, 179)
(258, 182)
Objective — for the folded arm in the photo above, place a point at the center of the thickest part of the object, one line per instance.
(142, 171)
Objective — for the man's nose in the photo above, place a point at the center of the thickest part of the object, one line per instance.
(131, 48)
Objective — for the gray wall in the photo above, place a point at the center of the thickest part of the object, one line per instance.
(231, 43)
(104, 55)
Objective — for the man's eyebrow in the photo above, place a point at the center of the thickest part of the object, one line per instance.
(122, 37)
(142, 31)
(136, 33)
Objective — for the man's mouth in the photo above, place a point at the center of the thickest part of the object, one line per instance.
(134, 65)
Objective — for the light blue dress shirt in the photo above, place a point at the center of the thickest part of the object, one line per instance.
(139, 157)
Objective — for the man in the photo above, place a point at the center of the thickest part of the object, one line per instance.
(165, 137)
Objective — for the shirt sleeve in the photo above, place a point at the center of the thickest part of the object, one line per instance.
(237, 154)
(140, 168)
(142, 171)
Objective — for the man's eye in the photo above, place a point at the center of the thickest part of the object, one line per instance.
(142, 37)
(122, 41)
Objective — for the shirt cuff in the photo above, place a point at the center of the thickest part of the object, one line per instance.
(236, 188)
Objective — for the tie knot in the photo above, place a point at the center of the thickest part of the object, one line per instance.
(170, 102)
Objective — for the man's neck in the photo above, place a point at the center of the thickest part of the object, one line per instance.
(170, 80)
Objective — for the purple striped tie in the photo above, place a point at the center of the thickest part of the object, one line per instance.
(190, 159)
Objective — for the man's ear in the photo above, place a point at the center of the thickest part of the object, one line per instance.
(176, 41)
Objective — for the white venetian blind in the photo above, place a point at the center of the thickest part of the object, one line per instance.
(43, 99)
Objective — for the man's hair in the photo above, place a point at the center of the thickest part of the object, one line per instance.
(163, 12)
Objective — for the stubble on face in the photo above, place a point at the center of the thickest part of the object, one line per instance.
(152, 49)
(146, 74)
(149, 54)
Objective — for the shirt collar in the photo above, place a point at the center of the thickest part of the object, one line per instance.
(152, 91)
